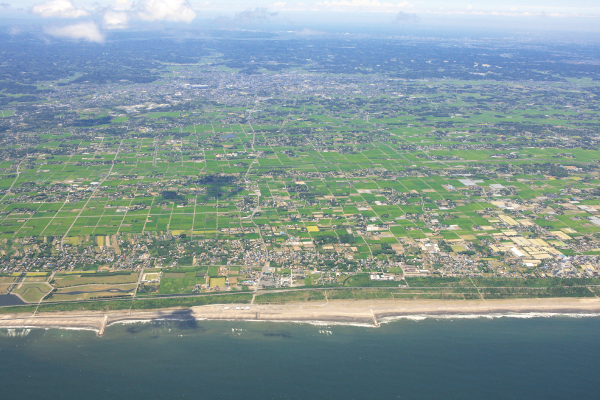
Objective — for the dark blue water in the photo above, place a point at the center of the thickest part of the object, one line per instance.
(539, 358)
(10, 300)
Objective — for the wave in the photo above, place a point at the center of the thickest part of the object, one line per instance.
(316, 323)
(15, 332)
(151, 320)
(527, 315)
(24, 330)
(48, 327)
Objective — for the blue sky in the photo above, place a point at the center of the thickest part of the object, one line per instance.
(93, 19)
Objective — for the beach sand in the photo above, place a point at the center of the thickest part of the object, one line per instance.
(362, 312)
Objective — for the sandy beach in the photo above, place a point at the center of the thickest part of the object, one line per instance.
(368, 313)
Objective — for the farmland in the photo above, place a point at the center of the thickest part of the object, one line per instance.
(217, 179)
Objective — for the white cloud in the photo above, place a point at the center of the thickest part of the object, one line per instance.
(115, 19)
(374, 5)
(258, 14)
(285, 6)
(60, 9)
(122, 5)
(84, 30)
(309, 32)
(168, 10)
(403, 17)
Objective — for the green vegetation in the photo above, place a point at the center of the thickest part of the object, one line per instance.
(192, 301)
(32, 292)
(363, 280)
(438, 282)
(297, 296)
(17, 309)
(67, 280)
(183, 282)
(85, 292)
(380, 170)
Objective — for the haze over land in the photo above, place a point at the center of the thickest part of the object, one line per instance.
(95, 21)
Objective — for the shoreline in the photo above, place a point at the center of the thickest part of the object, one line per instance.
(365, 313)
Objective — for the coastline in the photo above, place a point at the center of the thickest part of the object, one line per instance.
(367, 313)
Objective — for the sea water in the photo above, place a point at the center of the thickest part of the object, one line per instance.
(431, 358)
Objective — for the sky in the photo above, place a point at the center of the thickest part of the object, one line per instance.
(93, 20)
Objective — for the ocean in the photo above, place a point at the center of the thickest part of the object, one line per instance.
(433, 358)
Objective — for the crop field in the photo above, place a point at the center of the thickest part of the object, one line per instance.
(435, 169)
(342, 150)
(179, 282)
(217, 282)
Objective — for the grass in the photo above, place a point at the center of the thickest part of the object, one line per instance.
(61, 281)
(360, 294)
(182, 283)
(33, 292)
(363, 280)
(287, 297)
(535, 282)
(152, 276)
(438, 282)
(506, 293)
(87, 292)
(17, 309)
(217, 282)
(138, 304)
(192, 301)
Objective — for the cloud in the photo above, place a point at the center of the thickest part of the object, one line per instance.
(115, 19)
(4, 5)
(60, 9)
(168, 10)
(85, 31)
(309, 32)
(258, 14)
(402, 17)
(373, 5)
(122, 5)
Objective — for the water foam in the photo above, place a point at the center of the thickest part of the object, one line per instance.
(527, 315)
(15, 332)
